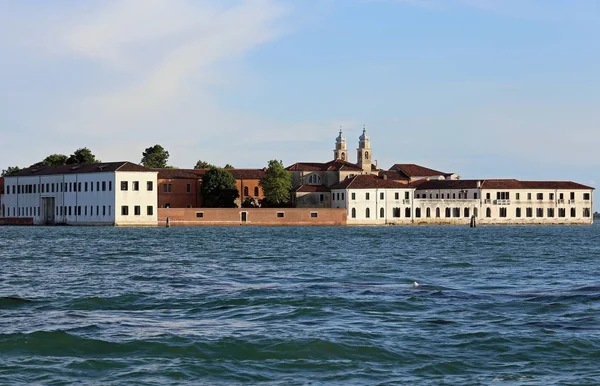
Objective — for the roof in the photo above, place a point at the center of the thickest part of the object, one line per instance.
(516, 184)
(172, 173)
(247, 174)
(335, 165)
(103, 167)
(448, 184)
(368, 181)
(312, 188)
(396, 175)
(413, 170)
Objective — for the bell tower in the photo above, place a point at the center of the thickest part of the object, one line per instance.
(340, 152)
(364, 156)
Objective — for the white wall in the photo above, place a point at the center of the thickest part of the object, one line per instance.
(375, 203)
(132, 199)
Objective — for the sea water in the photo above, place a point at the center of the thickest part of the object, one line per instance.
(300, 305)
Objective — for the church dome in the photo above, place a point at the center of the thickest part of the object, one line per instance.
(340, 138)
(364, 137)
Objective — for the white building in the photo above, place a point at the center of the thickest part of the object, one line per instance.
(113, 193)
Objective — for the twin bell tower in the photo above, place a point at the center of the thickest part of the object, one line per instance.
(364, 155)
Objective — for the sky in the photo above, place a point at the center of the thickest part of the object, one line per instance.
(482, 88)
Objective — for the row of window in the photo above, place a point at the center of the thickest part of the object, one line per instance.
(247, 192)
(368, 196)
(135, 186)
(538, 196)
(539, 212)
(59, 187)
(396, 212)
(77, 211)
(461, 195)
(137, 210)
(279, 214)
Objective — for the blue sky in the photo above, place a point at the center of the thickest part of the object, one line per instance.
(484, 88)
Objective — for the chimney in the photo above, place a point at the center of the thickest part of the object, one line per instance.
(377, 165)
(385, 177)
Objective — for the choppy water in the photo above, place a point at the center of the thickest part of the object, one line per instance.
(287, 305)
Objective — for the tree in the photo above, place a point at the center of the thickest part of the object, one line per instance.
(218, 189)
(228, 166)
(82, 156)
(276, 185)
(52, 160)
(203, 165)
(10, 171)
(155, 157)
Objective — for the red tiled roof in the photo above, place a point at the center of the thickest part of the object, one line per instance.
(367, 181)
(172, 173)
(334, 165)
(312, 188)
(81, 169)
(396, 175)
(413, 170)
(247, 174)
(447, 184)
(516, 184)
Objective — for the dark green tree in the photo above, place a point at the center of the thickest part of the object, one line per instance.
(10, 171)
(52, 160)
(155, 157)
(82, 156)
(218, 189)
(203, 165)
(276, 185)
(228, 166)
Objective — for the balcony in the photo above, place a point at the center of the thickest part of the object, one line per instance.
(501, 202)
(406, 202)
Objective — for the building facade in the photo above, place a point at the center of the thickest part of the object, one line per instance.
(114, 193)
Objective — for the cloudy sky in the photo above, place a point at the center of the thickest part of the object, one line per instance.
(484, 88)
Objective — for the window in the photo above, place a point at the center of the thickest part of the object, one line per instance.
(104, 186)
(551, 196)
(110, 190)
(586, 212)
(561, 196)
(280, 214)
(466, 212)
(79, 210)
(406, 195)
(540, 196)
(396, 196)
(529, 212)
(245, 190)
(199, 214)
(418, 212)
(150, 210)
(342, 196)
(488, 212)
(97, 186)
(518, 212)
(367, 213)
(381, 196)
(70, 210)
(407, 212)
(164, 188)
(188, 188)
(314, 214)
(502, 212)
(256, 191)
(487, 196)
(455, 212)
(137, 210)
(170, 187)
(528, 196)
(53, 187)
(586, 197)
(367, 196)
(354, 196)
(104, 210)
(135, 185)
(85, 210)
(396, 212)
(539, 212)
(97, 210)
(381, 213)
(475, 196)
(86, 186)
(550, 212)
(518, 196)
(78, 187)
(448, 214)
(188, 206)
(428, 212)
(437, 212)
(321, 197)
(124, 210)
(124, 185)
(353, 212)
(314, 179)
(562, 212)
(149, 186)
(572, 195)
(573, 212)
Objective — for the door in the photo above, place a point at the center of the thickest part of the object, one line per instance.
(244, 216)
(48, 210)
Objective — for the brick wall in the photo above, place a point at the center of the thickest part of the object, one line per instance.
(254, 216)
(16, 221)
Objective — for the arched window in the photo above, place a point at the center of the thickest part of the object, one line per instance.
(314, 179)
(343, 156)
(447, 212)
(381, 213)
(488, 212)
(428, 212)
(245, 190)
(368, 213)
(437, 212)
(466, 212)
(167, 205)
(418, 212)
(353, 212)
(256, 191)
(366, 155)
(407, 212)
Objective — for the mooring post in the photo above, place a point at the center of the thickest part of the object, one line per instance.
(168, 222)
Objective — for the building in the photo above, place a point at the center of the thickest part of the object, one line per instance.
(112, 193)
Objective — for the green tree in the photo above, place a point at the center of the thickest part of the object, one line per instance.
(52, 160)
(218, 189)
(82, 156)
(276, 185)
(155, 157)
(203, 165)
(10, 171)
(228, 166)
